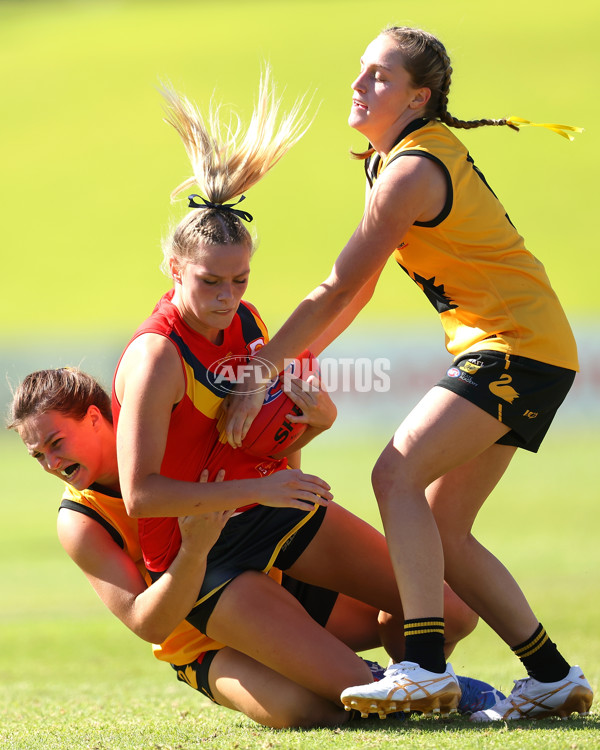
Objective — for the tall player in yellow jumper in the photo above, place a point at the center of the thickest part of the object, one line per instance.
(514, 362)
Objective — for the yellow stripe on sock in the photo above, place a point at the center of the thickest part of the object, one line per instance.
(423, 632)
(424, 626)
(531, 651)
(531, 647)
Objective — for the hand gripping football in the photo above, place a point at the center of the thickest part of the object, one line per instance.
(271, 431)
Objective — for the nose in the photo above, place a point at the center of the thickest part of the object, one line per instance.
(225, 292)
(357, 84)
(52, 461)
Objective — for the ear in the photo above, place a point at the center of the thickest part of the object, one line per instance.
(95, 415)
(175, 270)
(420, 99)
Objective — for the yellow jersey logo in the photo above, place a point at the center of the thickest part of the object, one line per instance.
(470, 366)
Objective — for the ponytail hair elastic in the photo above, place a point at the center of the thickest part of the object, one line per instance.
(227, 207)
(519, 122)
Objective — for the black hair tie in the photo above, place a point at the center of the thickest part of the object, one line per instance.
(228, 207)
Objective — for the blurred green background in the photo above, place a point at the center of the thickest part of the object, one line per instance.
(86, 168)
(87, 163)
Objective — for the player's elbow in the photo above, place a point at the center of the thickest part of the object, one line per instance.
(140, 494)
(152, 632)
(135, 502)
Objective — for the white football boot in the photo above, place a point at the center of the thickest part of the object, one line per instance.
(406, 687)
(531, 699)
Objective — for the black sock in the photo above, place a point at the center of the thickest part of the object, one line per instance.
(425, 643)
(540, 657)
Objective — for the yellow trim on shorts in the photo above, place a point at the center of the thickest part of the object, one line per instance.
(273, 557)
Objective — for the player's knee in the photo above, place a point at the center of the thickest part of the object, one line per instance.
(386, 478)
(380, 481)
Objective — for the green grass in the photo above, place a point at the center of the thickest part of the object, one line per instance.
(71, 676)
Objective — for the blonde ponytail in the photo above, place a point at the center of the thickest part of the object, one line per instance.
(225, 161)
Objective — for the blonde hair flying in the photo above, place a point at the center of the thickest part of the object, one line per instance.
(225, 161)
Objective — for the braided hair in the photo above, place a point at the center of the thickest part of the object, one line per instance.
(427, 62)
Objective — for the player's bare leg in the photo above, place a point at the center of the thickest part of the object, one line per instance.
(424, 447)
(241, 683)
(265, 622)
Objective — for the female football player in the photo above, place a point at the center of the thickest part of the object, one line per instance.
(305, 640)
(166, 405)
(514, 361)
(166, 397)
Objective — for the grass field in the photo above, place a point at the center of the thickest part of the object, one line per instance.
(71, 676)
(87, 167)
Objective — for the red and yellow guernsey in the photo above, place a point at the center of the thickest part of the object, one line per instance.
(470, 261)
(193, 438)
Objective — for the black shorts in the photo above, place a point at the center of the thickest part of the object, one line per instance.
(522, 393)
(318, 602)
(257, 539)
